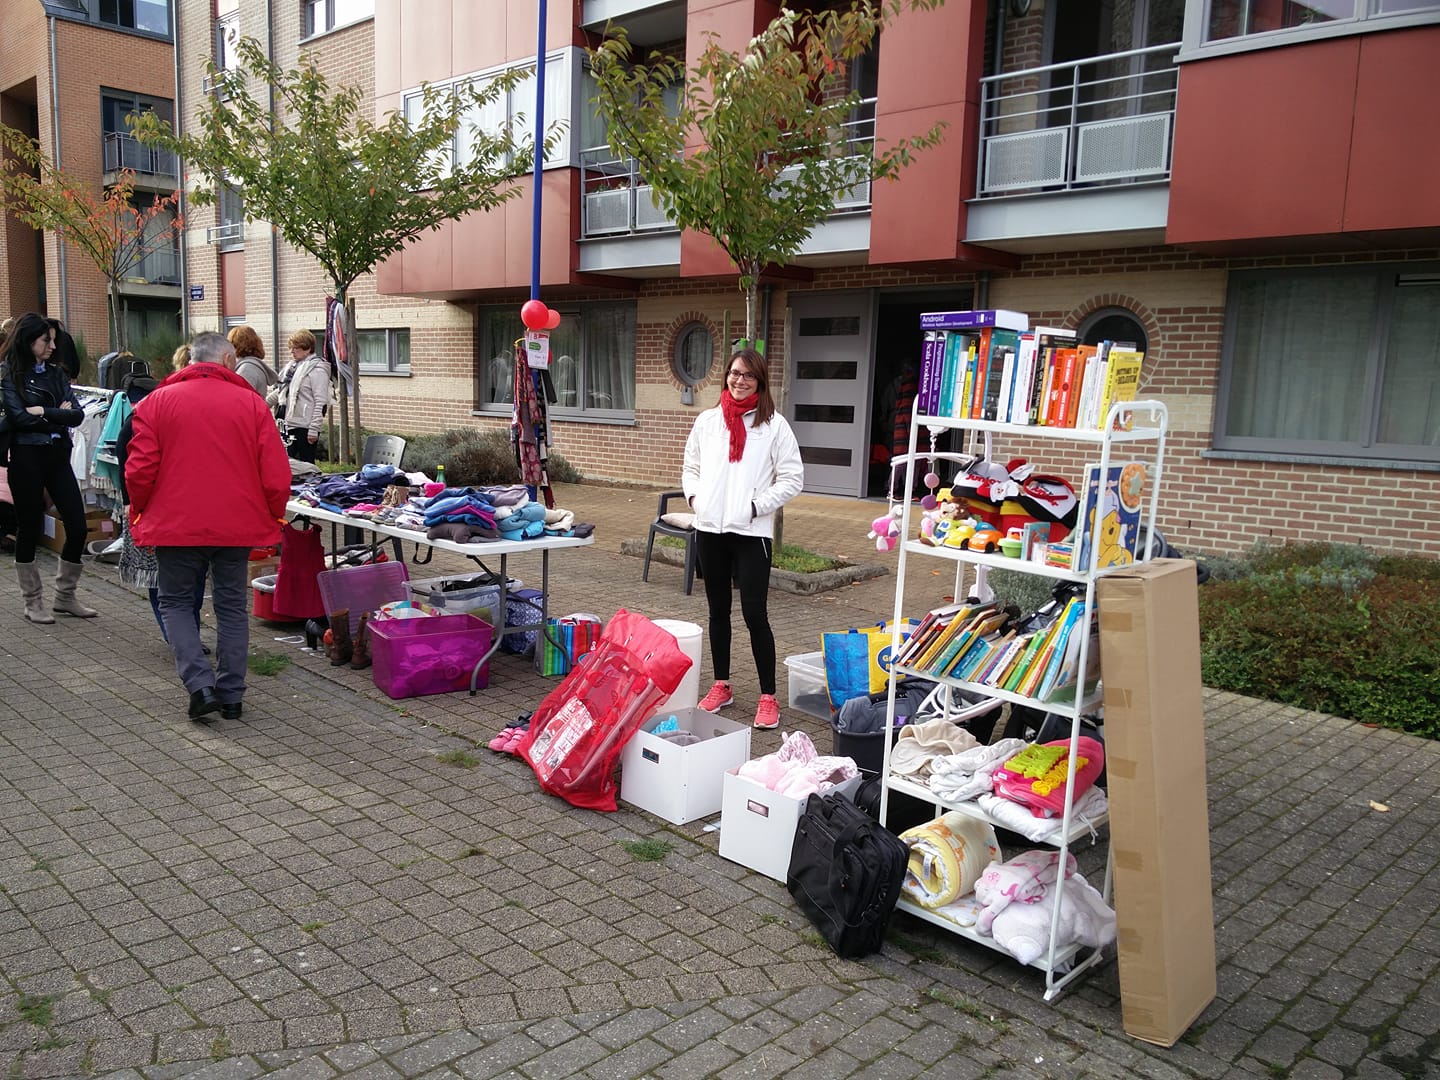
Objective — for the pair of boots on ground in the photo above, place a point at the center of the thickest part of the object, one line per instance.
(341, 648)
(66, 603)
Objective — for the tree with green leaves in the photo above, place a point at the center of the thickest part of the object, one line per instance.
(776, 149)
(113, 232)
(347, 190)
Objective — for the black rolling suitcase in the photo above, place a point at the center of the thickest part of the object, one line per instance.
(845, 873)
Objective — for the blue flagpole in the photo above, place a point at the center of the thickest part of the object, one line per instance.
(539, 153)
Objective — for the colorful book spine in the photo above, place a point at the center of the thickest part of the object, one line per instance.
(1123, 379)
(930, 361)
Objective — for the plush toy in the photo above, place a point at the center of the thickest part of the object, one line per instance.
(1023, 930)
(885, 530)
(1023, 879)
(937, 523)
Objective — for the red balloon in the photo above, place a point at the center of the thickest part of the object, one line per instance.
(533, 314)
(552, 319)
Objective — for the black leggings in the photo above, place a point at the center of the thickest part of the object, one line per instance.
(34, 470)
(301, 448)
(745, 560)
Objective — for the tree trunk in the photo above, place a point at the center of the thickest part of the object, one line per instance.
(752, 316)
(342, 453)
(117, 337)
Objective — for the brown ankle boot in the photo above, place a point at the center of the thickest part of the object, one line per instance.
(360, 656)
(341, 648)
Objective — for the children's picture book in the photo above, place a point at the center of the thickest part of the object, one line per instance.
(1032, 533)
(1109, 520)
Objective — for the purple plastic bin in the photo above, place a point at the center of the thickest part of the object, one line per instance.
(433, 655)
(359, 589)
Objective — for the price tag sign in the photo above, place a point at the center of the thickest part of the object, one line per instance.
(537, 349)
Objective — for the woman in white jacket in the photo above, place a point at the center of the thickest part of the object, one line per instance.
(742, 464)
(300, 397)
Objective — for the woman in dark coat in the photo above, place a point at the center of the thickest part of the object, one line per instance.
(40, 410)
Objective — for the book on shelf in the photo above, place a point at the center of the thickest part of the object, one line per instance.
(1109, 517)
(932, 359)
(1047, 342)
(974, 320)
(933, 622)
(1070, 664)
(1004, 344)
(1017, 394)
(984, 622)
(976, 657)
(940, 642)
(946, 394)
(1022, 664)
(1069, 405)
(1090, 387)
(979, 373)
(1047, 665)
(1010, 649)
(1035, 671)
(1062, 367)
(965, 379)
(1122, 383)
(1032, 533)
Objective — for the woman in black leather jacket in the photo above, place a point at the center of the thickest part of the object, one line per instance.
(41, 410)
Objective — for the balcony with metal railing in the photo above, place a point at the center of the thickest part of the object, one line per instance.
(617, 204)
(157, 268)
(154, 169)
(1066, 139)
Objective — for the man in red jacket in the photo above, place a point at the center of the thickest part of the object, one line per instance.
(208, 480)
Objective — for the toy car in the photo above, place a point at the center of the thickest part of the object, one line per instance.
(986, 538)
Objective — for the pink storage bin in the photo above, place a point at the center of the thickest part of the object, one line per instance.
(434, 655)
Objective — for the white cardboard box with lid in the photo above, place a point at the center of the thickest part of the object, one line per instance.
(757, 825)
(682, 783)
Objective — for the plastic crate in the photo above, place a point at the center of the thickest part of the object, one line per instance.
(432, 655)
(477, 599)
(806, 678)
(358, 589)
(263, 591)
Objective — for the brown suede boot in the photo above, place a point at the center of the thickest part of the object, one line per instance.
(360, 656)
(341, 647)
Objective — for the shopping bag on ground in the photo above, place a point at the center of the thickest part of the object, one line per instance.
(576, 735)
(857, 662)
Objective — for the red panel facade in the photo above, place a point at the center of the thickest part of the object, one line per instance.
(930, 66)
(1394, 155)
(1315, 139)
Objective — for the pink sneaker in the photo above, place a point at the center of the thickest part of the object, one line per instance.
(767, 715)
(719, 696)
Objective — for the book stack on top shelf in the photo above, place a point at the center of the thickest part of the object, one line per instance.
(991, 365)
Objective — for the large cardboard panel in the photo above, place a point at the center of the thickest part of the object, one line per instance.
(1159, 826)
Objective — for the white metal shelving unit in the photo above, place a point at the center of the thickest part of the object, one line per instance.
(1145, 441)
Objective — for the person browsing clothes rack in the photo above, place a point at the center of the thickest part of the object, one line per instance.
(742, 464)
(300, 397)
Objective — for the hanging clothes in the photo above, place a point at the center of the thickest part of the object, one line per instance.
(302, 558)
(528, 431)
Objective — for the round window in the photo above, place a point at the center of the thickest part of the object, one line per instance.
(1113, 324)
(694, 353)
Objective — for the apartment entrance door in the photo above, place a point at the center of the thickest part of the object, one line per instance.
(829, 392)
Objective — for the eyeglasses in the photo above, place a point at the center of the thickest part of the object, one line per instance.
(746, 376)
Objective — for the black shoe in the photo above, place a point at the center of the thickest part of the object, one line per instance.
(203, 702)
(231, 710)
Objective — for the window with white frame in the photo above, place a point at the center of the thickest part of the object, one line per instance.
(229, 231)
(1333, 362)
(384, 352)
(513, 109)
(1243, 20)
(592, 360)
(322, 16)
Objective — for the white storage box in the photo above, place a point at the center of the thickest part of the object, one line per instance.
(757, 825)
(481, 600)
(806, 678)
(682, 783)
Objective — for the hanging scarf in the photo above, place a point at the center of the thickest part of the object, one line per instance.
(734, 413)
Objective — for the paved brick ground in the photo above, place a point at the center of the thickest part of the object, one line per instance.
(312, 892)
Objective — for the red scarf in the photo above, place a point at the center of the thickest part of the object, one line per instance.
(734, 413)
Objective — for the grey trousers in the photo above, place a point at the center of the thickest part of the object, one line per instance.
(181, 568)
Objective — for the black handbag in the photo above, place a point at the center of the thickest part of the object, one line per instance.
(845, 873)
